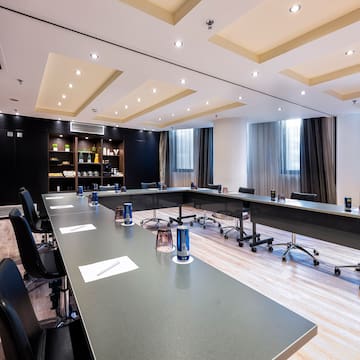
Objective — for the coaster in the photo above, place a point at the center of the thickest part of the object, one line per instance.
(123, 224)
(165, 249)
(182, 262)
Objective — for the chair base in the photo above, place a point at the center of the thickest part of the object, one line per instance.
(337, 270)
(155, 220)
(203, 220)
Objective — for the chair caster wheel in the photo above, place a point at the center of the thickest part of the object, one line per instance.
(283, 258)
(191, 223)
(270, 248)
(337, 271)
(204, 227)
(316, 262)
(221, 231)
(316, 252)
(219, 225)
(171, 221)
(168, 224)
(226, 237)
(253, 249)
(241, 244)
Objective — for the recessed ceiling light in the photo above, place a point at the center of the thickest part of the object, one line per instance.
(110, 139)
(303, 92)
(0, 112)
(63, 96)
(117, 126)
(86, 138)
(279, 108)
(59, 119)
(61, 135)
(116, 113)
(172, 114)
(59, 103)
(188, 109)
(154, 90)
(16, 113)
(94, 56)
(78, 72)
(126, 107)
(295, 8)
(178, 44)
(350, 52)
(70, 85)
(207, 103)
(138, 99)
(160, 119)
(255, 74)
(240, 97)
(183, 81)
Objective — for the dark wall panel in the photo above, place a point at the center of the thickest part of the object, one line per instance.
(25, 160)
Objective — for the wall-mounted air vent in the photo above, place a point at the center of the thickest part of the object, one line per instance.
(87, 128)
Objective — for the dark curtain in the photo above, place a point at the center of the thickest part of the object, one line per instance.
(205, 172)
(317, 158)
(164, 158)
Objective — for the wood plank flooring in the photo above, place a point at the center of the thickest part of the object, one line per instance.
(333, 303)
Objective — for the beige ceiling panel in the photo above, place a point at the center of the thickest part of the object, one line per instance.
(199, 111)
(345, 94)
(56, 97)
(170, 11)
(260, 36)
(147, 97)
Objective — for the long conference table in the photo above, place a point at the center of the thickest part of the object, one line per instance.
(164, 310)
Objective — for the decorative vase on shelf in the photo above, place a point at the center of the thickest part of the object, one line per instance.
(81, 158)
(96, 160)
(55, 147)
(89, 158)
(67, 147)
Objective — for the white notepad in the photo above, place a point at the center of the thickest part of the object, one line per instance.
(61, 207)
(77, 228)
(107, 268)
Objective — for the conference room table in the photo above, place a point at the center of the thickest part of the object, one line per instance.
(156, 308)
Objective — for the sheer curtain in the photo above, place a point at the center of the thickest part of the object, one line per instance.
(271, 158)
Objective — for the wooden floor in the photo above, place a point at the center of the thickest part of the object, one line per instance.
(333, 303)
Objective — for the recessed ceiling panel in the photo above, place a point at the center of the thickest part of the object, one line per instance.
(270, 29)
(68, 84)
(170, 11)
(208, 107)
(147, 97)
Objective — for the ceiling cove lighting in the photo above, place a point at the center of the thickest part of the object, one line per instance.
(350, 52)
(295, 8)
(178, 44)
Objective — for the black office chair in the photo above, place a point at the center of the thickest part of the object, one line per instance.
(39, 225)
(23, 337)
(154, 218)
(41, 265)
(203, 220)
(238, 227)
(292, 245)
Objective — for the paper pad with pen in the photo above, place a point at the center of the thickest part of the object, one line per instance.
(106, 268)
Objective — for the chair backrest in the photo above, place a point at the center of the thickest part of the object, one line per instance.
(29, 254)
(28, 207)
(149, 185)
(215, 187)
(19, 327)
(246, 190)
(303, 196)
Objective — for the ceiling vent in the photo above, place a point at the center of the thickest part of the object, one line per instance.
(87, 128)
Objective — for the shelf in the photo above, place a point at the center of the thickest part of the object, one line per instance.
(61, 164)
(88, 163)
(61, 177)
(111, 177)
(115, 156)
(61, 151)
(89, 177)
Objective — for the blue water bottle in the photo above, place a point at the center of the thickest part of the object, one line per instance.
(94, 198)
(183, 243)
(128, 213)
(80, 191)
(116, 186)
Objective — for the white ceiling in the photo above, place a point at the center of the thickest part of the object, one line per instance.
(141, 47)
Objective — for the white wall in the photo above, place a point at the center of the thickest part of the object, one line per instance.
(230, 157)
(348, 158)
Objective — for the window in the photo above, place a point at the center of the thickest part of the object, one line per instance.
(184, 153)
(290, 146)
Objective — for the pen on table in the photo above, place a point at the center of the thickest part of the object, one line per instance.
(108, 268)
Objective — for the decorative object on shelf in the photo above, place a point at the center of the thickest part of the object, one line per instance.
(104, 150)
(67, 147)
(81, 158)
(55, 147)
(93, 149)
(97, 160)
(116, 151)
(65, 162)
(89, 158)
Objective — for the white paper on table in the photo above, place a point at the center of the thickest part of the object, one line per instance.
(77, 228)
(107, 268)
(61, 207)
(54, 197)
